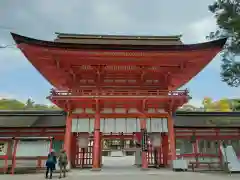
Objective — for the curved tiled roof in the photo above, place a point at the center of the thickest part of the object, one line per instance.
(180, 47)
(57, 119)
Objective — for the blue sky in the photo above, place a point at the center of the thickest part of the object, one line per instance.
(40, 19)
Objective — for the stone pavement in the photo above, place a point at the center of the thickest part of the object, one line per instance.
(127, 175)
(121, 169)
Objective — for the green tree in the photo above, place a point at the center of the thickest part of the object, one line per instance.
(11, 104)
(235, 104)
(29, 104)
(227, 13)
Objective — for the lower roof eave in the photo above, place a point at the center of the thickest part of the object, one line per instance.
(207, 127)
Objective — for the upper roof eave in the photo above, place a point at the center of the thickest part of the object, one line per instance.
(50, 44)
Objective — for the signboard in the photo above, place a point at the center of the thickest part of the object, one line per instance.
(144, 140)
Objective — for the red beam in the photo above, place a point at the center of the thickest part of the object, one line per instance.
(121, 53)
(114, 136)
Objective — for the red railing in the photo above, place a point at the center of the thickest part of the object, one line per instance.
(119, 93)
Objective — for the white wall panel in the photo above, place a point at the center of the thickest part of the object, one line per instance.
(81, 125)
(132, 110)
(110, 125)
(78, 111)
(89, 110)
(156, 124)
(116, 125)
(91, 124)
(33, 148)
(138, 129)
(120, 110)
(102, 124)
(121, 125)
(165, 125)
(131, 125)
(74, 125)
(161, 110)
(151, 110)
(107, 110)
(149, 122)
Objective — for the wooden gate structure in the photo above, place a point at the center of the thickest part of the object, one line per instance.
(114, 77)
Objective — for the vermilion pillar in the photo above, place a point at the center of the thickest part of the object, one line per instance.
(68, 134)
(143, 125)
(97, 139)
(165, 148)
(171, 137)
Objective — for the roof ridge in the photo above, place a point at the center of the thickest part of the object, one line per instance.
(174, 37)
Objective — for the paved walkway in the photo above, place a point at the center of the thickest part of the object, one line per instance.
(121, 169)
(129, 175)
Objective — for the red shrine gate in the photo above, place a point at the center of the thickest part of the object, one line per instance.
(148, 116)
(114, 77)
(120, 129)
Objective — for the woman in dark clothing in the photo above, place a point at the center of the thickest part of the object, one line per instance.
(51, 163)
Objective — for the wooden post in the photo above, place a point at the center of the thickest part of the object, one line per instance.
(97, 139)
(196, 154)
(67, 136)
(219, 146)
(14, 155)
(171, 137)
(143, 126)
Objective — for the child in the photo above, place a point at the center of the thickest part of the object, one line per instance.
(51, 163)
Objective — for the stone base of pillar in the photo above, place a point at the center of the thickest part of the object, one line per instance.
(96, 169)
(144, 169)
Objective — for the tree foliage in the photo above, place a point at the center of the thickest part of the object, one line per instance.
(13, 104)
(222, 105)
(227, 13)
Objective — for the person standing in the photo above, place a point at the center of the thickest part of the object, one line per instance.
(62, 162)
(51, 163)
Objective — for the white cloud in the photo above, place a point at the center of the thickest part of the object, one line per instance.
(197, 31)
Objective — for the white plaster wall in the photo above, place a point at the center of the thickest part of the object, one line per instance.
(116, 125)
(33, 148)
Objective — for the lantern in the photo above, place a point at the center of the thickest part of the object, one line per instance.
(83, 141)
(156, 139)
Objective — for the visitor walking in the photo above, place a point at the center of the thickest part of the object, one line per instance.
(51, 163)
(62, 162)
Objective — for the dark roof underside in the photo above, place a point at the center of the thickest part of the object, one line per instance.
(57, 119)
(31, 41)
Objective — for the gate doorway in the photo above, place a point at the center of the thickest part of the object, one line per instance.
(118, 151)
